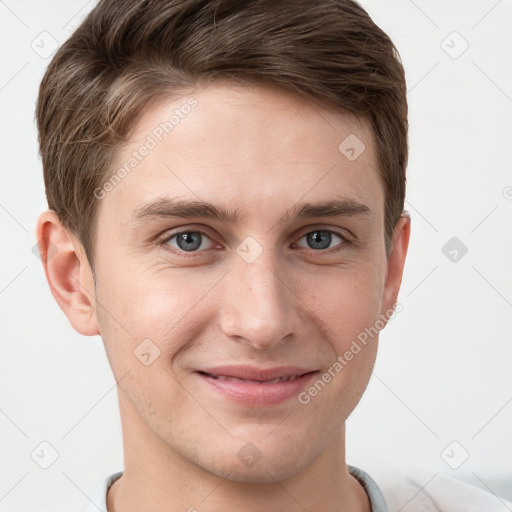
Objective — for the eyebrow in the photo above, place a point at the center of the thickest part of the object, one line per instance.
(169, 208)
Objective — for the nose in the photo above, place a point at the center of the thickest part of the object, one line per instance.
(260, 307)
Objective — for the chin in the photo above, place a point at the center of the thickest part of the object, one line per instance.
(262, 476)
(262, 473)
(251, 465)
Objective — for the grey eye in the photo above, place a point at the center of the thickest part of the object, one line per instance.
(189, 241)
(320, 239)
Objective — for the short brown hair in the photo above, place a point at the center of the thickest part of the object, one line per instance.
(127, 53)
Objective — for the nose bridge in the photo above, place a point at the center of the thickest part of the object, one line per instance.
(258, 304)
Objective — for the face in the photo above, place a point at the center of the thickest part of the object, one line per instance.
(276, 275)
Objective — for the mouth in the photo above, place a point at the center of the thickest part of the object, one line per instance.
(251, 381)
(254, 386)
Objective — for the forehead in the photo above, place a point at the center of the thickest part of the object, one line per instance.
(257, 146)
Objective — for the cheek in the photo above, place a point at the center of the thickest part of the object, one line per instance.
(346, 306)
(167, 307)
(347, 301)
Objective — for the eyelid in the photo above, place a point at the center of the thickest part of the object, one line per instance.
(337, 231)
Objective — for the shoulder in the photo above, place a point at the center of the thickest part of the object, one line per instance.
(436, 492)
(99, 500)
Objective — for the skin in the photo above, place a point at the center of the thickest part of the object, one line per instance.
(260, 150)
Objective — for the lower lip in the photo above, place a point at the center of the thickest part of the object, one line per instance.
(258, 393)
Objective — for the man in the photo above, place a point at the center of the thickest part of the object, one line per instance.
(226, 184)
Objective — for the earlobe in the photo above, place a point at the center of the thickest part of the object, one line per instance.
(396, 262)
(68, 273)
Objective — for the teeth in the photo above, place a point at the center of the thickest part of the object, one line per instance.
(282, 379)
(236, 379)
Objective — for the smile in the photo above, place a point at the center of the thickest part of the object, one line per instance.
(250, 386)
(252, 381)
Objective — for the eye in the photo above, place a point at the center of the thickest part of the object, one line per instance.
(189, 241)
(198, 241)
(321, 239)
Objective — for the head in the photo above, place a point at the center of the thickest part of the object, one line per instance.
(226, 185)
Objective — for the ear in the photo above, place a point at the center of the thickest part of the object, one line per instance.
(68, 273)
(395, 263)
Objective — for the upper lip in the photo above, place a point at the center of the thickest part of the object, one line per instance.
(255, 373)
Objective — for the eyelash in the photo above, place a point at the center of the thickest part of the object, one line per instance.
(164, 241)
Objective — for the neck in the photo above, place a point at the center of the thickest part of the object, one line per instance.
(156, 478)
